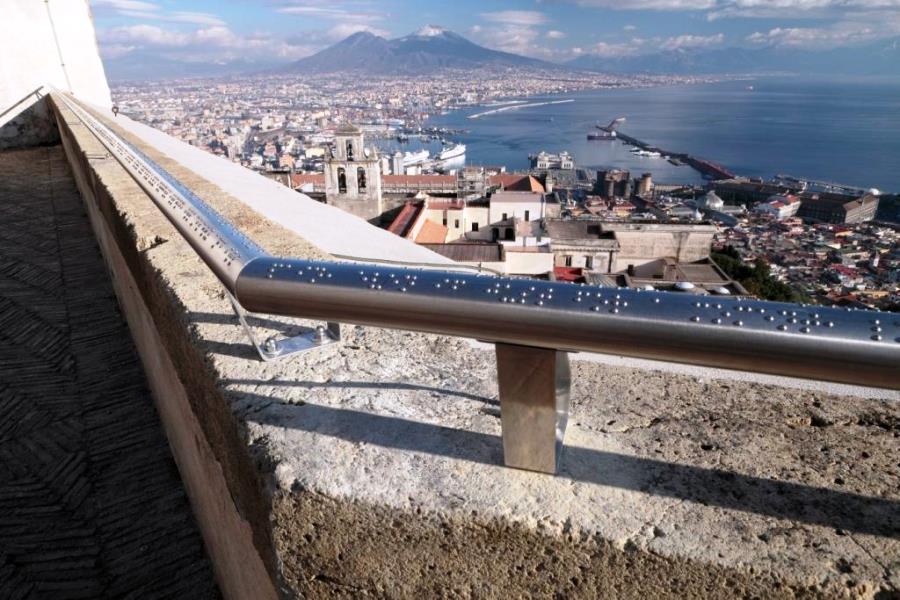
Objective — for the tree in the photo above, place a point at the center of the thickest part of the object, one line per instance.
(758, 279)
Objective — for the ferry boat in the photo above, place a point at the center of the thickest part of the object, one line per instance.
(415, 158)
(451, 152)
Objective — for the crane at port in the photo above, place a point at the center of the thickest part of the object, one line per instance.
(607, 133)
(613, 125)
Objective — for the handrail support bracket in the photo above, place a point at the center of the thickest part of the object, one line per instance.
(534, 405)
(277, 348)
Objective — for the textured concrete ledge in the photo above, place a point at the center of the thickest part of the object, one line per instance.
(372, 467)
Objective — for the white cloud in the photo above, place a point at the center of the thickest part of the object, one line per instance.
(524, 18)
(692, 41)
(206, 44)
(650, 4)
(335, 11)
(116, 50)
(149, 11)
(553, 34)
(813, 37)
(744, 7)
(118, 5)
(629, 28)
(616, 49)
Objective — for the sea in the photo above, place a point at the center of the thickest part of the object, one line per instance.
(839, 131)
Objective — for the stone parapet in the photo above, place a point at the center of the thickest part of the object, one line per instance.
(373, 466)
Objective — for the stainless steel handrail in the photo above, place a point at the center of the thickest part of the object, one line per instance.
(830, 344)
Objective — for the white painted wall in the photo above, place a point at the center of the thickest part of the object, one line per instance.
(30, 53)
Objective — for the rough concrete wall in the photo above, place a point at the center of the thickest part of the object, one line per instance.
(641, 247)
(33, 126)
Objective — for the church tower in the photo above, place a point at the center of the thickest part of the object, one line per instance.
(353, 174)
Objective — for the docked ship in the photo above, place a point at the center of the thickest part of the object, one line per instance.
(606, 133)
(602, 135)
(415, 158)
(452, 152)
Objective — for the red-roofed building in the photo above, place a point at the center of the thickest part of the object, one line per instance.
(412, 184)
(308, 182)
(517, 183)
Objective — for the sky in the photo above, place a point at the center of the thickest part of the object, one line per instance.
(271, 31)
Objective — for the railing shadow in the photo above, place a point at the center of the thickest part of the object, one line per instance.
(843, 511)
(229, 318)
(372, 385)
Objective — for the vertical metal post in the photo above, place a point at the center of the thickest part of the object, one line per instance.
(534, 405)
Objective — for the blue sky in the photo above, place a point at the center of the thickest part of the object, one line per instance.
(279, 30)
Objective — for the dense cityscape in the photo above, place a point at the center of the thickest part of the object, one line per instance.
(785, 241)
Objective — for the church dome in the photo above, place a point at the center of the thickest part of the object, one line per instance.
(711, 201)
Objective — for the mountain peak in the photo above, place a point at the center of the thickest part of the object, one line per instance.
(430, 31)
(428, 49)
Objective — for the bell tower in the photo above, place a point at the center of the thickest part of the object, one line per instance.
(353, 174)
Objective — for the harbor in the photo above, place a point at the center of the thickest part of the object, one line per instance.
(707, 168)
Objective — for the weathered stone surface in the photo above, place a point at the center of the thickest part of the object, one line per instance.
(377, 462)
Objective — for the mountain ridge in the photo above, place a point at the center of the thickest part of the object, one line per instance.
(425, 50)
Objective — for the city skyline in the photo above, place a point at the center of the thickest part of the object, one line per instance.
(270, 32)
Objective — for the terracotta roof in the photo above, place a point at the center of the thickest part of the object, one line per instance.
(418, 179)
(299, 179)
(405, 218)
(517, 183)
(432, 233)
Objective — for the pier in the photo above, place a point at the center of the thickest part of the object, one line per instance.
(705, 167)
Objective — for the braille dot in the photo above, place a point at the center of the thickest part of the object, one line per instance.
(717, 321)
(695, 319)
(876, 337)
(614, 310)
(739, 323)
(656, 300)
(804, 330)
(782, 327)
